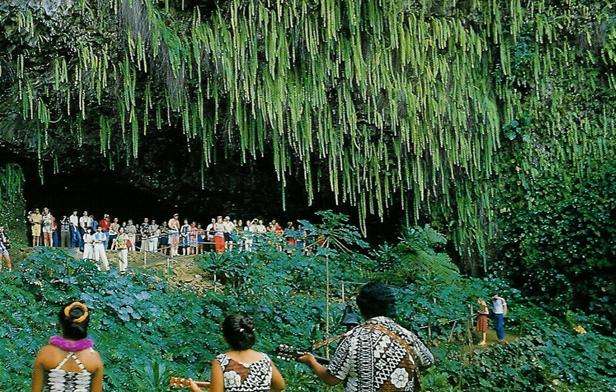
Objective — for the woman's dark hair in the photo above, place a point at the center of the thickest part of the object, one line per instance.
(239, 332)
(376, 299)
(74, 324)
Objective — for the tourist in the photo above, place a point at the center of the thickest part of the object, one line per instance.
(228, 229)
(242, 368)
(4, 250)
(276, 228)
(76, 238)
(69, 363)
(88, 244)
(35, 219)
(482, 320)
(65, 232)
(121, 244)
(74, 219)
(184, 234)
(163, 237)
(100, 253)
(144, 231)
(154, 233)
(219, 235)
(193, 234)
(47, 223)
(238, 234)
(378, 355)
(249, 232)
(261, 229)
(209, 230)
(200, 239)
(93, 223)
(290, 234)
(105, 224)
(74, 225)
(174, 235)
(131, 232)
(84, 222)
(499, 309)
(56, 233)
(114, 228)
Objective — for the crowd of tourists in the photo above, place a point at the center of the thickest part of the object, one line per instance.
(171, 237)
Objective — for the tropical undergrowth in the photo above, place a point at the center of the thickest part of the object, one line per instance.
(146, 330)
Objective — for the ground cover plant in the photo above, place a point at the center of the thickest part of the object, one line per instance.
(147, 330)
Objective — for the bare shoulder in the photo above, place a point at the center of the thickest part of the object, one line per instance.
(91, 355)
(46, 355)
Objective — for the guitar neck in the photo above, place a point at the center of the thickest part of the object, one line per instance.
(290, 353)
(322, 360)
(177, 382)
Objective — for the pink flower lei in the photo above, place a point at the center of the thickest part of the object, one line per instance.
(71, 345)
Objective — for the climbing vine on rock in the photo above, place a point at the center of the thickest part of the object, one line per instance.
(387, 104)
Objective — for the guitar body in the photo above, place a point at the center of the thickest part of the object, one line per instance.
(177, 382)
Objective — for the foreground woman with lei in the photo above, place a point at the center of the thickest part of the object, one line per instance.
(69, 363)
(242, 369)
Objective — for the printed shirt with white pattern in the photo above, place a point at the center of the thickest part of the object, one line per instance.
(368, 360)
(240, 377)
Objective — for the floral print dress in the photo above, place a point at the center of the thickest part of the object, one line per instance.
(239, 377)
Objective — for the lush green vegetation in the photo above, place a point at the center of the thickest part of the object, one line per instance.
(558, 239)
(382, 102)
(494, 121)
(145, 329)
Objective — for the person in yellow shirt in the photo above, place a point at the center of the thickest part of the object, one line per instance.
(121, 244)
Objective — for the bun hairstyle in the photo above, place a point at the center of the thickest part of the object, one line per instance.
(239, 332)
(74, 320)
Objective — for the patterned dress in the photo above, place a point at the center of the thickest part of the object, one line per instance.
(59, 380)
(380, 356)
(238, 377)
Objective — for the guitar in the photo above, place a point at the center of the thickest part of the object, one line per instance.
(177, 382)
(290, 353)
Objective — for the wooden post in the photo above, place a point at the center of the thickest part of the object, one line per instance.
(327, 304)
(455, 322)
(469, 335)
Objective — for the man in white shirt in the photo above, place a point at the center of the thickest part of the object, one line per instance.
(499, 309)
(228, 229)
(174, 234)
(99, 248)
(85, 221)
(74, 219)
(154, 234)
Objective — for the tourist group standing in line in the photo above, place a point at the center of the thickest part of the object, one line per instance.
(171, 237)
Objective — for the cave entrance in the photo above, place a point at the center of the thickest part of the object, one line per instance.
(241, 191)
